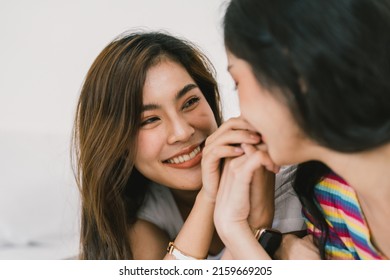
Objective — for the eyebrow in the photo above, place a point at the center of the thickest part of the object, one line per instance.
(179, 94)
(230, 66)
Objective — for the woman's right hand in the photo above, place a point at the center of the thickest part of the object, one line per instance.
(225, 142)
(241, 175)
(246, 191)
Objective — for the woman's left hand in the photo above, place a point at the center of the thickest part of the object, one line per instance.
(224, 143)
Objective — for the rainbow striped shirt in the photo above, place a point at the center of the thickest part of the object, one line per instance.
(349, 235)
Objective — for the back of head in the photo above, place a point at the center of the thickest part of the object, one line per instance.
(107, 122)
(330, 59)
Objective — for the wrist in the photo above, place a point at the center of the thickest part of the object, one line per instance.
(228, 231)
(262, 216)
(205, 197)
(178, 254)
(242, 244)
(263, 221)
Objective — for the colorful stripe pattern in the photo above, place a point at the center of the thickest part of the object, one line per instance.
(349, 235)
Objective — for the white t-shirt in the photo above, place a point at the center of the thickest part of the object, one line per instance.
(160, 207)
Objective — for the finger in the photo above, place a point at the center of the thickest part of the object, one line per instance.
(211, 158)
(231, 173)
(250, 127)
(236, 123)
(234, 137)
(262, 147)
(239, 123)
(268, 163)
(224, 184)
(266, 159)
(234, 189)
(243, 167)
(248, 149)
(231, 191)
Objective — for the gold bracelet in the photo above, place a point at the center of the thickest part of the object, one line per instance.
(269, 238)
(179, 255)
(258, 231)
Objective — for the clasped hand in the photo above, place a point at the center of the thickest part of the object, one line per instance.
(246, 189)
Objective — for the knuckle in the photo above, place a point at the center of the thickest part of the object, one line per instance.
(208, 140)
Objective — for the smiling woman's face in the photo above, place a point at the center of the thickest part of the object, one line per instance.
(285, 141)
(175, 122)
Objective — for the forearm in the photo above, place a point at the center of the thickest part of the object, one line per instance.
(226, 255)
(195, 236)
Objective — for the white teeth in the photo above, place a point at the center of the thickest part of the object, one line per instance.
(186, 157)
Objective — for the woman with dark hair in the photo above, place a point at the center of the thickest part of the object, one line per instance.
(313, 80)
(146, 173)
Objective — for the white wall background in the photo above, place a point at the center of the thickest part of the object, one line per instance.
(46, 49)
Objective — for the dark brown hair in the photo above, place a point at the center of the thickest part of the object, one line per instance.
(105, 132)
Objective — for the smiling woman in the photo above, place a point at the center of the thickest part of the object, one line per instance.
(148, 153)
(131, 118)
(176, 121)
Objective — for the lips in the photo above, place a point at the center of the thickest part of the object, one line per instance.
(187, 158)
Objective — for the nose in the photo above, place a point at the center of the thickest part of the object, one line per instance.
(180, 130)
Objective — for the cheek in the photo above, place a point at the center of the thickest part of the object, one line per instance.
(285, 139)
(251, 109)
(203, 119)
(206, 123)
(148, 150)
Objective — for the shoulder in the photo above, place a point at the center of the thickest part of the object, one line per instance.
(338, 200)
(147, 241)
(160, 209)
(333, 186)
(158, 199)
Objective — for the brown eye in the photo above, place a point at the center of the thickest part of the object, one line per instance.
(149, 121)
(191, 102)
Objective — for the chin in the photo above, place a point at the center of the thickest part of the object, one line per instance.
(282, 160)
(184, 185)
(190, 187)
(278, 158)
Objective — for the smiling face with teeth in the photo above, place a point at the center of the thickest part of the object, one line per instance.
(175, 122)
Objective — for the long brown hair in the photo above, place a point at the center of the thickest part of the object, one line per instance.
(105, 132)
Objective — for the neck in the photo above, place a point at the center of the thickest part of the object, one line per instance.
(185, 197)
(185, 200)
(367, 172)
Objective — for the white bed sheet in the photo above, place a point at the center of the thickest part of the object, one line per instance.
(39, 200)
(56, 248)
